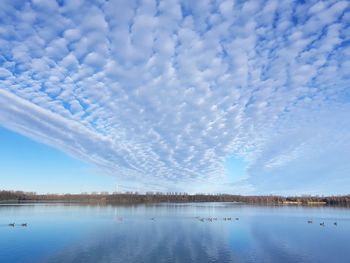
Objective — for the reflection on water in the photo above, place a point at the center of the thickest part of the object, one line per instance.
(64, 233)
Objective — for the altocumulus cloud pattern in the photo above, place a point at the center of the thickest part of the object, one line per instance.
(163, 92)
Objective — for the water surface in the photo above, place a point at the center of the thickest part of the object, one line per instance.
(173, 233)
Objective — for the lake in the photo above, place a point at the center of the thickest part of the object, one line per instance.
(173, 233)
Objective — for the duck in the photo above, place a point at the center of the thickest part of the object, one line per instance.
(12, 224)
(310, 221)
(24, 224)
(335, 223)
(322, 224)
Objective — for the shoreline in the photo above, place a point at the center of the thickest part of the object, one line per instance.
(104, 203)
(137, 198)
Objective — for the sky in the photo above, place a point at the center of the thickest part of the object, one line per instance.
(241, 97)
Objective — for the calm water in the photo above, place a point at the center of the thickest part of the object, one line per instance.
(74, 233)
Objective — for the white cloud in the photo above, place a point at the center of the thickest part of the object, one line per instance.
(163, 92)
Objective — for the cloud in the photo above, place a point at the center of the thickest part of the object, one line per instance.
(164, 93)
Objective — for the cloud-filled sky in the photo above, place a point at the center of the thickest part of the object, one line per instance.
(197, 96)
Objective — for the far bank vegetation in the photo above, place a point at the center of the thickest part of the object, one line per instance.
(134, 198)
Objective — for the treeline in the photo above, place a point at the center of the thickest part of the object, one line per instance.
(124, 198)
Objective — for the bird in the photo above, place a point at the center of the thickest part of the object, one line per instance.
(310, 221)
(237, 218)
(12, 224)
(322, 224)
(335, 223)
(24, 224)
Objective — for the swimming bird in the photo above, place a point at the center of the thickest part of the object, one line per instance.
(322, 224)
(237, 218)
(12, 224)
(335, 223)
(310, 221)
(24, 224)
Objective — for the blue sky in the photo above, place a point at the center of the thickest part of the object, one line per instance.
(31, 166)
(245, 97)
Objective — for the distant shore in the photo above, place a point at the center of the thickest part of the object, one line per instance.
(136, 198)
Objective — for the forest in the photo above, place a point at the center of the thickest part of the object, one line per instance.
(150, 197)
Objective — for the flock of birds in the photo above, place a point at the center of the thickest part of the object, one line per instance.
(202, 219)
(211, 219)
(13, 224)
(322, 223)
